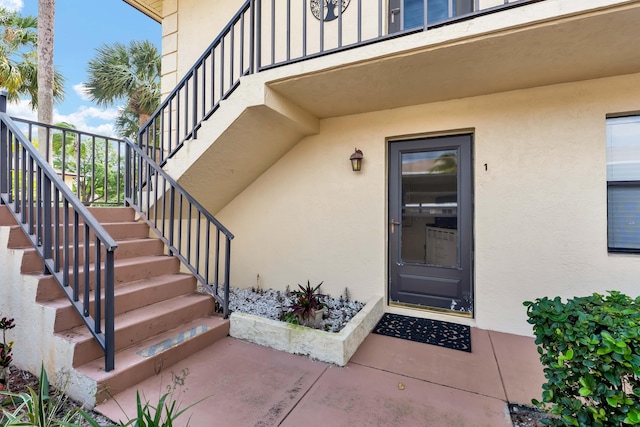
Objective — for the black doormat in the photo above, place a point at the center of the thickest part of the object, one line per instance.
(444, 334)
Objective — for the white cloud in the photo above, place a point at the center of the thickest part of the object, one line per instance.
(85, 119)
(12, 5)
(88, 119)
(22, 109)
(81, 90)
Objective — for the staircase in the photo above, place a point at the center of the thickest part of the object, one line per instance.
(160, 318)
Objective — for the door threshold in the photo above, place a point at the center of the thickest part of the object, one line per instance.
(464, 314)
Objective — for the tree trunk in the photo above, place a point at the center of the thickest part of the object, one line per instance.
(46, 18)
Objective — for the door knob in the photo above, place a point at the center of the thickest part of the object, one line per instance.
(393, 225)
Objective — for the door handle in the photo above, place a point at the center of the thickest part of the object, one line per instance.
(393, 225)
(393, 13)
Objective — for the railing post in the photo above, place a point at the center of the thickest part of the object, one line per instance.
(4, 158)
(3, 100)
(227, 266)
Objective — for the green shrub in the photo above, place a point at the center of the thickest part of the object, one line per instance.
(40, 409)
(37, 408)
(590, 350)
(5, 352)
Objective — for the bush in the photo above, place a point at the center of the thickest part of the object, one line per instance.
(590, 350)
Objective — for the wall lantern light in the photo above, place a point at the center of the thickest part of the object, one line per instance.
(356, 160)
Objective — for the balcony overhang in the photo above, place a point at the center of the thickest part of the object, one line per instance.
(579, 46)
(151, 8)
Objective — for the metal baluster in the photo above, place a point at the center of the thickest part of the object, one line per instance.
(273, 32)
(289, 30)
(65, 238)
(106, 170)
(198, 244)
(76, 256)
(194, 101)
(339, 6)
(304, 28)
(222, 69)
(206, 262)
(242, 70)
(321, 25)
(97, 289)
(109, 307)
(79, 167)
(232, 48)
(56, 230)
(47, 225)
(258, 36)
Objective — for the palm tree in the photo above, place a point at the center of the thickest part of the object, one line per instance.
(19, 60)
(446, 163)
(46, 17)
(130, 73)
(127, 123)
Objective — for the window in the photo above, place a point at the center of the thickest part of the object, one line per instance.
(437, 11)
(623, 184)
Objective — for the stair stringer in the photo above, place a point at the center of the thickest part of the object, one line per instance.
(250, 131)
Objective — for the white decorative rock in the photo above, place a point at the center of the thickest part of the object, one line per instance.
(329, 347)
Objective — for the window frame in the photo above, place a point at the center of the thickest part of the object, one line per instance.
(618, 184)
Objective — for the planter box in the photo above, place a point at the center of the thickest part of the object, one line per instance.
(319, 345)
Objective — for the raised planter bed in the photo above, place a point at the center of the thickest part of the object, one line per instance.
(329, 347)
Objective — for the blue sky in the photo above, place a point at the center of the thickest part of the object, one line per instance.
(81, 26)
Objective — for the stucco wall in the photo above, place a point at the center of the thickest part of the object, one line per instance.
(35, 344)
(540, 207)
(198, 23)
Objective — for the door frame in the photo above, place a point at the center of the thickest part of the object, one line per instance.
(471, 213)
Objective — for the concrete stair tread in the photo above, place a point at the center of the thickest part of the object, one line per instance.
(154, 355)
(118, 231)
(158, 317)
(128, 297)
(126, 262)
(113, 213)
(125, 270)
(32, 263)
(130, 288)
(135, 354)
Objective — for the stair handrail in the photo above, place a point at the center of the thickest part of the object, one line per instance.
(34, 193)
(90, 142)
(182, 119)
(161, 210)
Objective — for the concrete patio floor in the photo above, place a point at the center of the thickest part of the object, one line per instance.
(388, 382)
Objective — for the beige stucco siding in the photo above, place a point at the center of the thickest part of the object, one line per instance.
(198, 23)
(540, 207)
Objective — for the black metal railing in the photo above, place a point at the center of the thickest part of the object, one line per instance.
(264, 34)
(295, 30)
(214, 76)
(190, 232)
(62, 231)
(92, 165)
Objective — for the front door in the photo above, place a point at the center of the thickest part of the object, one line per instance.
(430, 223)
